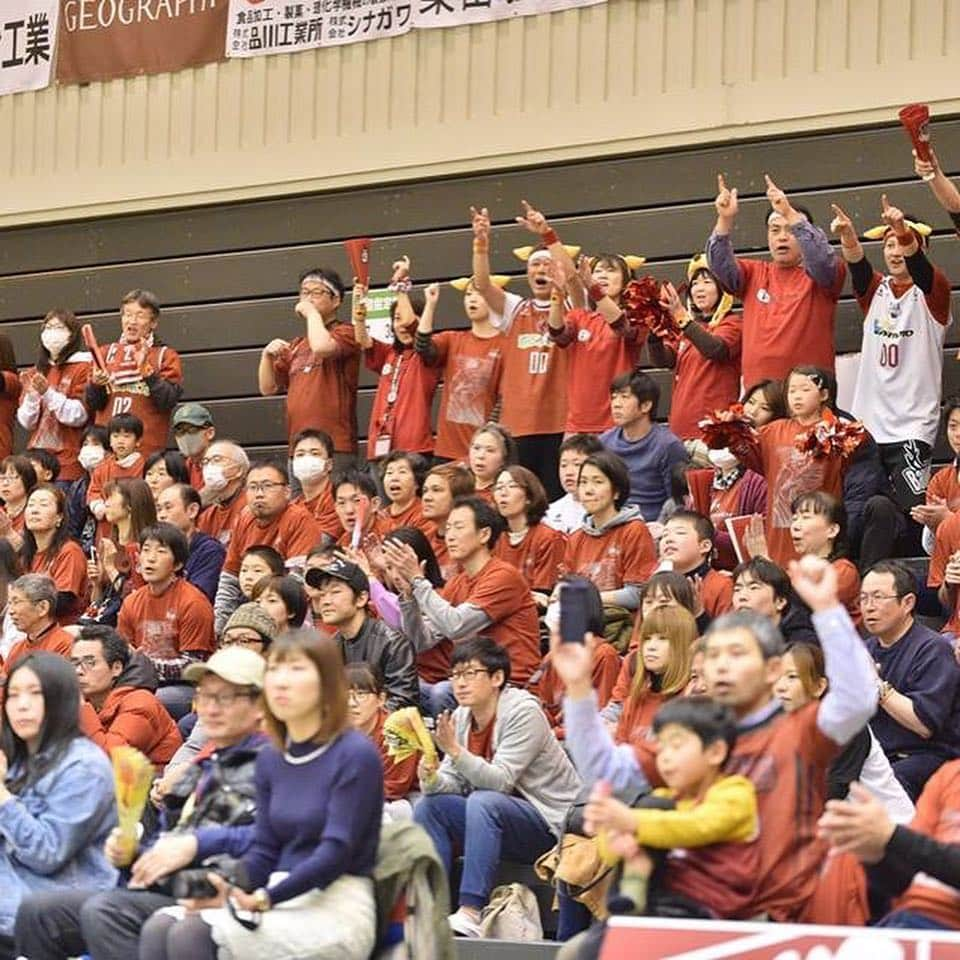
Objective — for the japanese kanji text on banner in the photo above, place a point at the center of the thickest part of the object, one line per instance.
(258, 27)
(27, 32)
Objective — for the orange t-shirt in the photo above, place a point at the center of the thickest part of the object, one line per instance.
(786, 758)
(9, 401)
(322, 391)
(621, 555)
(848, 588)
(505, 599)
(472, 370)
(109, 470)
(534, 371)
(323, 511)
(71, 380)
(53, 640)
(946, 544)
(538, 556)
(293, 533)
(410, 516)
(133, 395)
(68, 570)
(219, 520)
(944, 484)
(700, 385)
(163, 627)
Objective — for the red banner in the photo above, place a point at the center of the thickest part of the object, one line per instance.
(653, 939)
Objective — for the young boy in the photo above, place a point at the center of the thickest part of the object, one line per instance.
(259, 562)
(705, 819)
(566, 514)
(350, 489)
(687, 543)
(125, 433)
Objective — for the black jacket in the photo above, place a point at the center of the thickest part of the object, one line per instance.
(392, 654)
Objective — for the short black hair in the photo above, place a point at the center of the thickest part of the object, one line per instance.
(99, 433)
(313, 433)
(174, 462)
(188, 495)
(324, 273)
(800, 208)
(418, 464)
(670, 582)
(641, 385)
(615, 470)
(710, 721)
(904, 581)
(115, 648)
(170, 537)
(416, 538)
(272, 558)
(484, 515)
(143, 298)
(762, 570)
(291, 591)
(277, 466)
(490, 655)
(703, 525)
(356, 478)
(46, 459)
(417, 303)
(125, 423)
(585, 443)
(829, 507)
(362, 675)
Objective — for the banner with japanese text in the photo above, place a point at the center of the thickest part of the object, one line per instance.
(105, 39)
(258, 27)
(27, 32)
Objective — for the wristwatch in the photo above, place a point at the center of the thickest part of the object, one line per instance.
(261, 900)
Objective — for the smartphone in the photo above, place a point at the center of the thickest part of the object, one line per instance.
(573, 612)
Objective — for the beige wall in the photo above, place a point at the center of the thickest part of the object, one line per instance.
(624, 76)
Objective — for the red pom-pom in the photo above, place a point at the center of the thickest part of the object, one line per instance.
(831, 436)
(641, 304)
(728, 428)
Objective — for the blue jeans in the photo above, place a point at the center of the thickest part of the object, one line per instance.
(437, 697)
(486, 827)
(910, 920)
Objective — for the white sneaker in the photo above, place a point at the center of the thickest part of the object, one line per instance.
(463, 925)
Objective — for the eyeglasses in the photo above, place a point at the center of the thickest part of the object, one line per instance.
(221, 699)
(217, 458)
(242, 641)
(265, 486)
(471, 674)
(872, 599)
(84, 663)
(359, 695)
(506, 487)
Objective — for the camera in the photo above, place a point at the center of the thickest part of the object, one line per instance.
(194, 885)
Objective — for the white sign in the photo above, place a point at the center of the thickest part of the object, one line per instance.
(28, 32)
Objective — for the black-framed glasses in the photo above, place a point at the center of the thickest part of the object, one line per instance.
(84, 663)
(471, 674)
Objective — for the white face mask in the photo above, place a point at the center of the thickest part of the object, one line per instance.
(722, 459)
(190, 444)
(306, 469)
(214, 477)
(54, 340)
(91, 457)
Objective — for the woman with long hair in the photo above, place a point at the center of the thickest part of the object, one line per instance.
(17, 479)
(51, 406)
(56, 789)
(319, 809)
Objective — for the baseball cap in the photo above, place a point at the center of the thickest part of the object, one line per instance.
(344, 570)
(196, 414)
(234, 664)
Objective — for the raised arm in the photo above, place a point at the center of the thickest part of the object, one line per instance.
(358, 315)
(720, 256)
(946, 192)
(495, 297)
(564, 268)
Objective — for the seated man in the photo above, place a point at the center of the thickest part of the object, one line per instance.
(919, 715)
(504, 786)
(687, 542)
(31, 603)
(167, 619)
(344, 595)
(119, 708)
(218, 790)
(180, 505)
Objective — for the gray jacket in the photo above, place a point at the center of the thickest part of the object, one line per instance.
(527, 760)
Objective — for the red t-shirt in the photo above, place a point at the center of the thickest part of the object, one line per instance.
(9, 400)
(68, 570)
(848, 588)
(550, 689)
(293, 533)
(946, 544)
(943, 484)
(620, 555)
(163, 627)
(132, 395)
(219, 519)
(788, 319)
(599, 353)
(701, 386)
(406, 420)
(538, 556)
(480, 742)
(410, 516)
(53, 640)
(322, 391)
(323, 511)
(472, 367)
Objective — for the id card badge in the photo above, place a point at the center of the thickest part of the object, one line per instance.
(381, 446)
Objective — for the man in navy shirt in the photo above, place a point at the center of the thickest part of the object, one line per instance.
(917, 720)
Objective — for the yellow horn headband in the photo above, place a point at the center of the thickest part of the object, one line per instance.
(525, 253)
(725, 305)
(461, 283)
(922, 230)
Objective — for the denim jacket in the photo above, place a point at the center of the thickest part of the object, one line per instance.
(52, 834)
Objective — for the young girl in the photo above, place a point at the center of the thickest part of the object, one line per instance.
(367, 697)
(17, 479)
(319, 809)
(47, 548)
(603, 343)
(441, 486)
(402, 475)
(492, 449)
(804, 681)
(56, 795)
(471, 365)
(535, 549)
(818, 528)
(402, 405)
(707, 359)
(284, 598)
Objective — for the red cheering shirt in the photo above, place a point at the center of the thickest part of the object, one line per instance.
(9, 398)
(946, 545)
(68, 570)
(943, 485)
(411, 383)
(219, 519)
(322, 391)
(292, 533)
(163, 627)
(538, 556)
(410, 516)
(52, 640)
(701, 386)
(472, 369)
(619, 555)
(131, 394)
(323, 511)
(787, 319)
(599, 352)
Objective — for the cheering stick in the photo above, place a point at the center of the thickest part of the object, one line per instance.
(363, 510)
(358, 251)
(89, 338)
(915, 118)
(132, 776)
